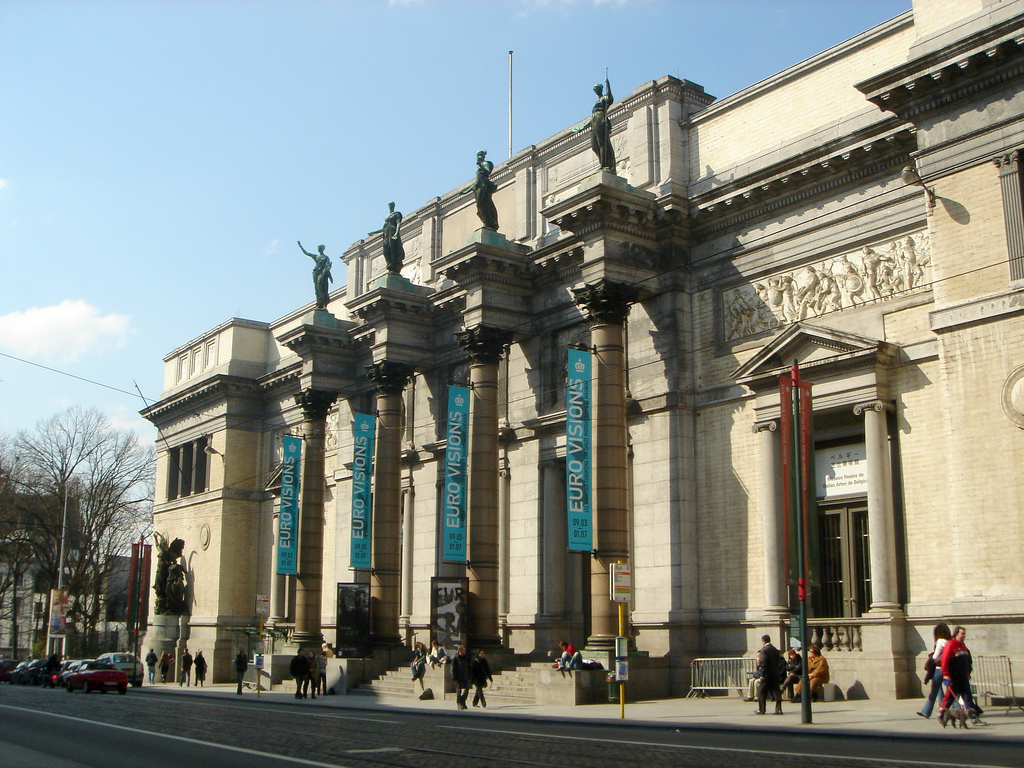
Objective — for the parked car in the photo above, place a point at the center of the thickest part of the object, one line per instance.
(98, 676)
(67, 667)
(29, 672)
(18, 672)
(6, 667)
(129, 663)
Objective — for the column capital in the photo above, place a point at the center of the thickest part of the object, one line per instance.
(768, 425)
(389, 378)
(1008, 163)
(315, 403)
(484, 343)
(607, 301)
(871, 405)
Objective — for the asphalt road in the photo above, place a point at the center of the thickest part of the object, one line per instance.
(42, 728)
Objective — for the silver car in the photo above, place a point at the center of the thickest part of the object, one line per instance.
(127, 662)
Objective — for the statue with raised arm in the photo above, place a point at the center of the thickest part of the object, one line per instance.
(321, 274)
(601, 127)
(170, 578)
(394, 251)
(482, 190)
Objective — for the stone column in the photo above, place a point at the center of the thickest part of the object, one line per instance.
(504, 552)
(390, 380)
(881, 527)
(608, 306)
(553, 541)
(485, 345)
(309, 580)
(407, 539)
(776, 602)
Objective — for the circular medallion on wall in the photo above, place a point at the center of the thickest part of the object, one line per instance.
(204, 536)
(1013, 396)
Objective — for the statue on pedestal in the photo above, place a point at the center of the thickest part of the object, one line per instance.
(170, 578)
(394, 251)
(482, 190)
(601, 127)
(321, 274)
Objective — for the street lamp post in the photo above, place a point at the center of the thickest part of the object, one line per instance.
(56, 642)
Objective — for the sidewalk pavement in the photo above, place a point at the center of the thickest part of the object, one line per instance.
(896, 718)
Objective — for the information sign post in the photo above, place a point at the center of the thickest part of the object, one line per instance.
(621, 589)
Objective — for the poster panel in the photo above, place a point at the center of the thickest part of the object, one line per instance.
(362, 489)
(578, 452)
(352, 640)
(456, 460)
(450, 597)
(288, 515)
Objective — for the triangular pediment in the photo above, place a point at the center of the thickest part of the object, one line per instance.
(817, 350)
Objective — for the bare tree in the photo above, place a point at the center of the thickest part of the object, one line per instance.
(103, 477)
(16, 554)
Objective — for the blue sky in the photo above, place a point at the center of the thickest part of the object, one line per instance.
(159, 159)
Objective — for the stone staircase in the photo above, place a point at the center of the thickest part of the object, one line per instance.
(516, 683)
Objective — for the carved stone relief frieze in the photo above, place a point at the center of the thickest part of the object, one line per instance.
(870, 274)
(333, 430)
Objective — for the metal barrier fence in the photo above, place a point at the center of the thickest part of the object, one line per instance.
(992, 677)
(708, 675)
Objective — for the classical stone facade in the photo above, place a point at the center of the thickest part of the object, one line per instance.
(860, 213)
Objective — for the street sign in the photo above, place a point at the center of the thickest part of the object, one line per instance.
(622, 671)
(262, 605)
(259, 661)
(621, 582)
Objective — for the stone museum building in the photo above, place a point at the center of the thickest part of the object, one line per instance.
(859, 214)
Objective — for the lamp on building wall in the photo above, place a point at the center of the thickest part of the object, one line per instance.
(912, 178)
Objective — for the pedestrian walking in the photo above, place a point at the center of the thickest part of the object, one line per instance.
(151, 662)
(200, 667)
(299, 669)
(461, 676)
(770, 665)
(321, 670)
(933, 667)
(956, 668)
(186, 669)
(480, 674)
(313, 675)
(165, 666)
(241, 664)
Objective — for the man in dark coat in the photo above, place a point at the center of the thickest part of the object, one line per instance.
(241, 664)
(461, 675)
(480, 673)
(299, 669)
(186, 669)
(770, 665)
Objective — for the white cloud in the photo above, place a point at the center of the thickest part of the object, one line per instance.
(65, 332)
(270, 248)
(3, 183)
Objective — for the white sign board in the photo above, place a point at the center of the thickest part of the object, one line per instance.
(262, 605)
(841, 471)
(621, 582)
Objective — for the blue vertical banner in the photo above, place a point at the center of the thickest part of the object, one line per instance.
(362, 489)
(578, 452)
(456, 461)
(288, 514)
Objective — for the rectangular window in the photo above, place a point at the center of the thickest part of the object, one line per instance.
(200, 478)
(173, 473)
(845, 565)
(211, 353)
(187, 453)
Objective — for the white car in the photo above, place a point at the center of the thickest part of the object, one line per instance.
(127, 662)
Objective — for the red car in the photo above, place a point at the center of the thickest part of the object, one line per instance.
(98, 676)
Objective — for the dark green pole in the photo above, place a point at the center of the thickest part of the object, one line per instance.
(805, 687)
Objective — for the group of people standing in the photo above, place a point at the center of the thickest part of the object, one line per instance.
(948, 669)
(309, 670)
(187, 664)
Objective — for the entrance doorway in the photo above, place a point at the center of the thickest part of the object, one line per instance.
(845, 563)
